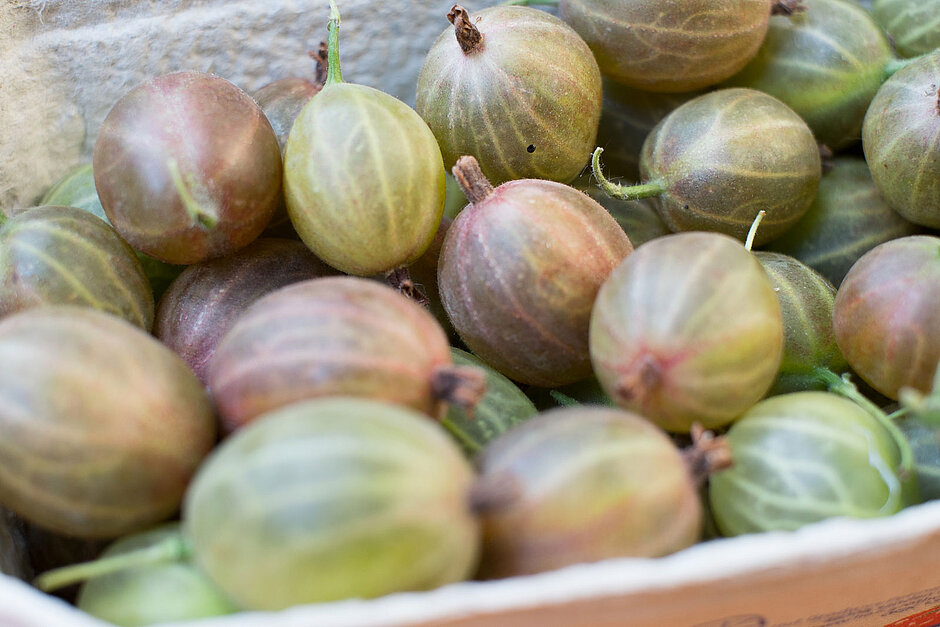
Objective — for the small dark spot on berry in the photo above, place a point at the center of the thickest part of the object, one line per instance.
(531, 148)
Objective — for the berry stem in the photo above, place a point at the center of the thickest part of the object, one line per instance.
(334, 74)
(468, 35)
(752, 232)
(3, 217)
(468, 443)
(926, 407)
(845, 388)
(635, 192)
(563, 399)
(471, 179)
(205, 217)
(172, 549)
(899, 64)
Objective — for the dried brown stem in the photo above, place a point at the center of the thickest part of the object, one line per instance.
(401, 280)
(321, 56)
(468, 35)
(708, 454)
(786, 7)
(462, 386)
(472, 181)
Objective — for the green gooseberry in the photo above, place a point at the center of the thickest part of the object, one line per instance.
(77, 189)
(687, 329)
(502, 407)
(826, 63)
(363, 175)
(806, 302)
(332, 499)
(901, 139)
(718, 159)
(848, 218)
(515, 87)
(914, 25)
(163, 591)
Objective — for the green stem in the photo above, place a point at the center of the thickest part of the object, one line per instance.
(3, 217)
(469, 443)
(563, 399)
(904, 411)
(752, 232)
(200, 214)
(845, 388)
(172, 549)
(898, 64)
(635, 192)
(528, 3)
(334, 74)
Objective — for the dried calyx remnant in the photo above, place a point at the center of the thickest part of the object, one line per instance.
(644, 377)
(468, 35)
(786, 7)
(321, 56)
(462, 386)
(708, 454)
(400, 279)
(471, 179)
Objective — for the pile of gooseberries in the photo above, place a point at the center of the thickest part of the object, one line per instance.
(309, 344)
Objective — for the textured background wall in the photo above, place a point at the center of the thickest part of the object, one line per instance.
(63, 63)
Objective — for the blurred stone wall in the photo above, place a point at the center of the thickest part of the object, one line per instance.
(63, 63)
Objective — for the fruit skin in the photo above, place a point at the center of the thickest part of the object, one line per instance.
(825, 63)
(847, 219)
(202, 304)
(637, 218)
(155, 593)
(669, 46)
(502, 407)
(925, 445)
(583, 484)
(886, 317)
(77, 189)
(336, 336)
(66, 256)
(526, 105)
(282, 101)
(804, 457)
(901, 139)
(806, 302)
(914, 25)
(104, 425)
(724, 156)
(627, 117)
(332, 499)
(363, 180)
(226, 154)
(424, 275)
(687, 329)
(518, 274)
